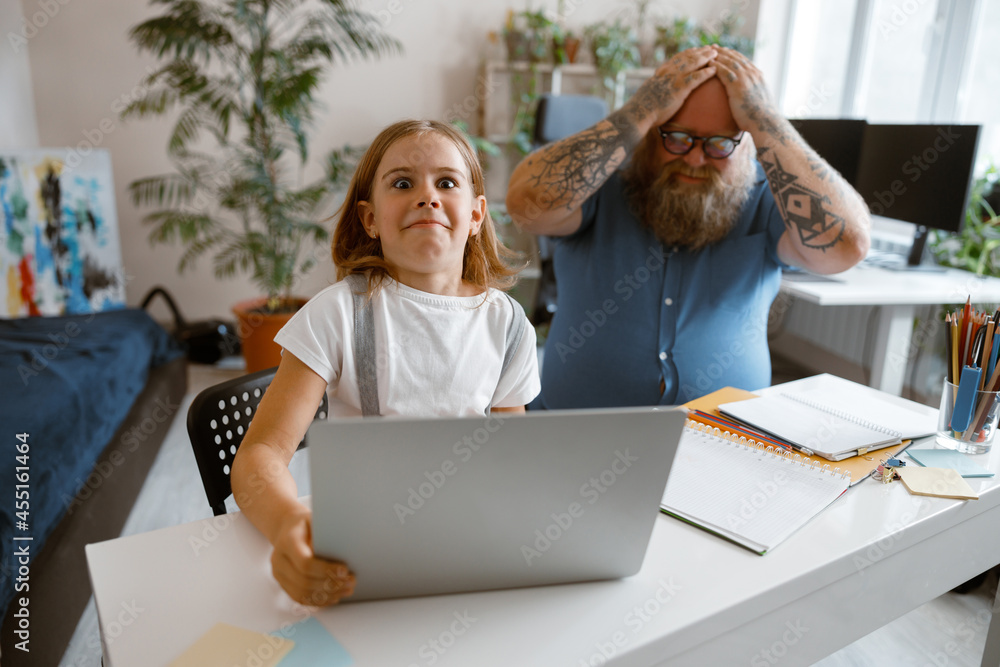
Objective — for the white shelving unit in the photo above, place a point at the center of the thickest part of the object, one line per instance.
(576, 78)
(496, 122)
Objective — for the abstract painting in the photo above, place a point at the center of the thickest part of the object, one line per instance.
(59, 248)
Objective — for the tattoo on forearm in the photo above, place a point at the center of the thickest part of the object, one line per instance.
(571, 171)
(803, 210)
(655, 94)
(820, 168)
(624, 123)
(761, 112)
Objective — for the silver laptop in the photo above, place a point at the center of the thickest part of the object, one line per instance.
(428, 506)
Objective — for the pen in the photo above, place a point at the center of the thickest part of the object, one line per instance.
(975, 353)
(737, 428)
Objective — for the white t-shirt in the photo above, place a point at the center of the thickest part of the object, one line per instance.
(435, 355)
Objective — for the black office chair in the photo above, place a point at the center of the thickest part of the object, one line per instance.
(556, 117)
(217, 421)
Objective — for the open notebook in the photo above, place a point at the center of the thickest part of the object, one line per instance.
(833, 417)
(754, 495)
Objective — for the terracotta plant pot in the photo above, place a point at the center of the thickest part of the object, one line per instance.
(257, 331)
(571, 47)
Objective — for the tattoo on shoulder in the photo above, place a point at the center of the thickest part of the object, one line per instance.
(803, 210)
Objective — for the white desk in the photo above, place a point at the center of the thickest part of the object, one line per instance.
(872, 556)
(898, 293)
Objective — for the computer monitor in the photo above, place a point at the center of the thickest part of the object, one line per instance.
(921, 174)
(837, 140)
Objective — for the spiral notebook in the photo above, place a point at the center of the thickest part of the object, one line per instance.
(751, 494)
(813, 426)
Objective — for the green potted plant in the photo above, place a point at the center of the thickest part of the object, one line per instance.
(244, 76)
(615, 48)
(529, 35)
(684, 33)
(977, 247)
(728, 36)
(680, 34)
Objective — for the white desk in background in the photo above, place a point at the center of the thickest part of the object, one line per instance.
(898, 293)
(875, 554)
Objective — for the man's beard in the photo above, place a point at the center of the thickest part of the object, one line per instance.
(686, 214)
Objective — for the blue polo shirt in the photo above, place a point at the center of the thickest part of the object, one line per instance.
(632, 313)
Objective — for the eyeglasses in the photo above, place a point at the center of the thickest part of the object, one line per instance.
(681, 143)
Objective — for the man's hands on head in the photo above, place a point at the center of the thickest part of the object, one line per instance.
(827, 222)
(307, 579)
(547, 189)
(749, 101)
(661, 96)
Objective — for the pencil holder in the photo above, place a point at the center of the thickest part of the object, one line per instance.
(977, 437)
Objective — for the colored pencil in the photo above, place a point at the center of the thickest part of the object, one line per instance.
(947, 344)
(987, 350)
(954, 349)
(963, 335)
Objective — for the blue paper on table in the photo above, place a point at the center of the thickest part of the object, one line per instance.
(314, 646)
(948, 458)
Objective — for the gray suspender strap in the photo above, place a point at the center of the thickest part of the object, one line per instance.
(515, 332)
(364, 345)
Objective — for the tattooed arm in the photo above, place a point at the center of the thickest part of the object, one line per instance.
(827, 225)
(549, 186)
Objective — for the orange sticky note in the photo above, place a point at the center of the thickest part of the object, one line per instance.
(226, 644)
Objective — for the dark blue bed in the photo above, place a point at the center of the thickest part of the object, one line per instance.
(69, 383)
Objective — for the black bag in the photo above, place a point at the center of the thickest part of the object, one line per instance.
(207, 341)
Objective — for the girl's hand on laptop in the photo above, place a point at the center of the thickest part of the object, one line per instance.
(307, 579)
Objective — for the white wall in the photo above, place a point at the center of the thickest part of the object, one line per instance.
(17, 107)
(82, 65)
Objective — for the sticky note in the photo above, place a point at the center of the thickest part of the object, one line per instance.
(226, 644)
(948, 458)
(939, 482)
(314, 646)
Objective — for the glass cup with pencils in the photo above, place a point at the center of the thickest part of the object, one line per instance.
(967, 420)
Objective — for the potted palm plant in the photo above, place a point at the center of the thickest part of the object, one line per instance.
(244, 75)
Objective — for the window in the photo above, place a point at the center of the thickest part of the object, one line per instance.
(899, 44)
(890, 61)
(820, 39)
(980, 96)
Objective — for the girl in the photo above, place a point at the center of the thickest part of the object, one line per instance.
(417, 255)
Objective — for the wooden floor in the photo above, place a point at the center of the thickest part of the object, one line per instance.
(949, 631)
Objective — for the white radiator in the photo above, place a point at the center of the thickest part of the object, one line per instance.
(840, 339)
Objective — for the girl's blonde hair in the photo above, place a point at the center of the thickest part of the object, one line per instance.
(355, 252)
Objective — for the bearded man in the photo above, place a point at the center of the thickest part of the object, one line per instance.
(674, 217)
